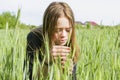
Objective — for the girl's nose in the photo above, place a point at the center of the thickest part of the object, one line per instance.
(64, 33)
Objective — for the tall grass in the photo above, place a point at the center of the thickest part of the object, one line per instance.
(99, 55)
(12, 52)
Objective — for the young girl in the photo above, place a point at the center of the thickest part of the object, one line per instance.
(59, 29)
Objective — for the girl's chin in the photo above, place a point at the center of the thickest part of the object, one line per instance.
(62, 44)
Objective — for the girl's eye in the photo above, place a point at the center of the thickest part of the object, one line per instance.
(61, 29)
(58, 30)
(68, 29)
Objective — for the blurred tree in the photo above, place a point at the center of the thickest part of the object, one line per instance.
(7, 17)
(12, 20)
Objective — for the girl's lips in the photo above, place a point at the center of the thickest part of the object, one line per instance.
(63, 41)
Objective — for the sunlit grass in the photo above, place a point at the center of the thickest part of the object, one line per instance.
(99, 55)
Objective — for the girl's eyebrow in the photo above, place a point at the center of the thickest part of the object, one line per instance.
(63, 28)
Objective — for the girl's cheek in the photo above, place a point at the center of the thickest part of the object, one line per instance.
(55, 37)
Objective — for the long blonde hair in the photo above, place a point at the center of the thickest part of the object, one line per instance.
(54, 11)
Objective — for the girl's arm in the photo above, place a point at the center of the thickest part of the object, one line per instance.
(34, 42)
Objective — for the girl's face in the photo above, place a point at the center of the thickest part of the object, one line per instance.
(62, 31)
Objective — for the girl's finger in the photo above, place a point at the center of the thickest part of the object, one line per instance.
(60, 50)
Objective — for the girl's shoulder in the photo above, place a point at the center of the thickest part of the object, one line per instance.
(35, 34)
(37, 31)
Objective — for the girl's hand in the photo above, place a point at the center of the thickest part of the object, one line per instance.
(60, 51)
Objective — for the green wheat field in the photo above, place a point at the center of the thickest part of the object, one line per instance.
(99, 54)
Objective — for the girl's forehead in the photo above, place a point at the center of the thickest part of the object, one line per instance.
(63, 22)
